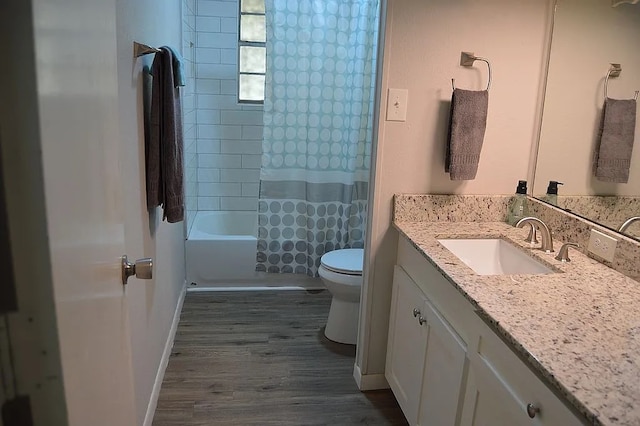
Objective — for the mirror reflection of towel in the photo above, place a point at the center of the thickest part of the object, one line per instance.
(467, 124)
(617, 131)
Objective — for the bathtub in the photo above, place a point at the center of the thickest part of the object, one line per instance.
(221, 246)
(221, 252)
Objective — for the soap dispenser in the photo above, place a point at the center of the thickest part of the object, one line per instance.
(518, 207)
(552, 192)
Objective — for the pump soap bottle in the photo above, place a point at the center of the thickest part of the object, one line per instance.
(552, 192)
(518, 207)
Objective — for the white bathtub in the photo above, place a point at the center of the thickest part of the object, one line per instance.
(221, 246)
(221, 252)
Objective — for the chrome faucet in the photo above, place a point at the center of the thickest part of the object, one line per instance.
(540, 226)
(628, 223)
(563, 255)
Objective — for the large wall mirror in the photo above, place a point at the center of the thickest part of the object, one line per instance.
(588, 36)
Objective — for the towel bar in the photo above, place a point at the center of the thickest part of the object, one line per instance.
(466, 60)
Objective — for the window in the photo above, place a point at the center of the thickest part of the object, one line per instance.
(252, 55)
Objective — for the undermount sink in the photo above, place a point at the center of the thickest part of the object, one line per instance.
(494, 256)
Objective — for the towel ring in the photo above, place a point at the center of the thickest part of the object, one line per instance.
(614, 71)
(466, 60)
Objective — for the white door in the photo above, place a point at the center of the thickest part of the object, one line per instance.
(77, 98)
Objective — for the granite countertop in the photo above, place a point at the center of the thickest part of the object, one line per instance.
(579, 328)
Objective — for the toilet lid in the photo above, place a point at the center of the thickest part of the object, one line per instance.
(345, 261)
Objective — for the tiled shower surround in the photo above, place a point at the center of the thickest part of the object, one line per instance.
(224, 163)
(189, 108)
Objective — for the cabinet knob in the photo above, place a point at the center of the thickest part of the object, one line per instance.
(416, 312)
(532, 410)
(421, 319)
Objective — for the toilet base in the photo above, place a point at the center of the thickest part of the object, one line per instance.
(342, 324)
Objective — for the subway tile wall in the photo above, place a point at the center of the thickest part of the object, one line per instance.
(228, 142)
(189, 109)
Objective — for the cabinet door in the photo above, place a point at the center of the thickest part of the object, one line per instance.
(501, 386)
(488, 402)
(407, 344)
(444, 372)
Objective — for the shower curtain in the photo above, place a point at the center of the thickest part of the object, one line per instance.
(317, 130)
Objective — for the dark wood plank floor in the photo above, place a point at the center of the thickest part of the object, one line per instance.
(261, 358)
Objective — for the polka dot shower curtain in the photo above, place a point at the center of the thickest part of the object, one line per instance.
(317, 130)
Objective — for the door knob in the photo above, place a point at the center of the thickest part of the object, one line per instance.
(142, 268)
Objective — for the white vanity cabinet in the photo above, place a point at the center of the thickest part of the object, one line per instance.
(407, 344)
(444, 372)
(447, 367)
(502, 390)
(425, 357)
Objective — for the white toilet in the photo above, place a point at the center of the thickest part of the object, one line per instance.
(341, 272)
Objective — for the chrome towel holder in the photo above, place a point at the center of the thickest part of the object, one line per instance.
(140, 49)
(466, 60)
(614, 71)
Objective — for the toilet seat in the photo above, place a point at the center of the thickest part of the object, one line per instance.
(344, 261)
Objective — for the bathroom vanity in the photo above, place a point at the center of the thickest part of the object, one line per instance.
(560, 348)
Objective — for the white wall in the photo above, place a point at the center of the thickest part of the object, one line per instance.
(229, 134)
(152, 303)
(588, 35)
(422, 54)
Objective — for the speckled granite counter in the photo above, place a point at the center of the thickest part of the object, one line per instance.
(579, 328)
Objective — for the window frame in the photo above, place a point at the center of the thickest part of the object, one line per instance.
(242, 43)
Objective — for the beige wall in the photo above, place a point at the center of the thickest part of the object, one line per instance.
(588, 36)
(152, 303)
(422, 54)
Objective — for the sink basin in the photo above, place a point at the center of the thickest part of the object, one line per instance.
(494, 256)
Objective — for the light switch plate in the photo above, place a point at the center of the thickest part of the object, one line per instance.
(397, 104)
(602, 245)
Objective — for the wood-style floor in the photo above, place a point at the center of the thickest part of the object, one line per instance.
(261, 358)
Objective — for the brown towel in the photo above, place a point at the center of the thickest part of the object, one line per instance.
(164, 147)
(617, 131)
(467, 123)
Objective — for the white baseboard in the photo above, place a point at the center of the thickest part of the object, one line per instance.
(164, 361)
(369, 382)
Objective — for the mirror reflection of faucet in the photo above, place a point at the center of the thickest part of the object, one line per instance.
(628, 223)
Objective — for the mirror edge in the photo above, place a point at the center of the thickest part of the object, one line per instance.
(542, 92)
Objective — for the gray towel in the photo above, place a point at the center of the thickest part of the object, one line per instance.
(617, 131)
(467, 124)
(164, 147)
(178, 67)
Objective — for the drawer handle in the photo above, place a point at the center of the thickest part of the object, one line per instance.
(532, 410)
(416, 312)
(421, 320)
